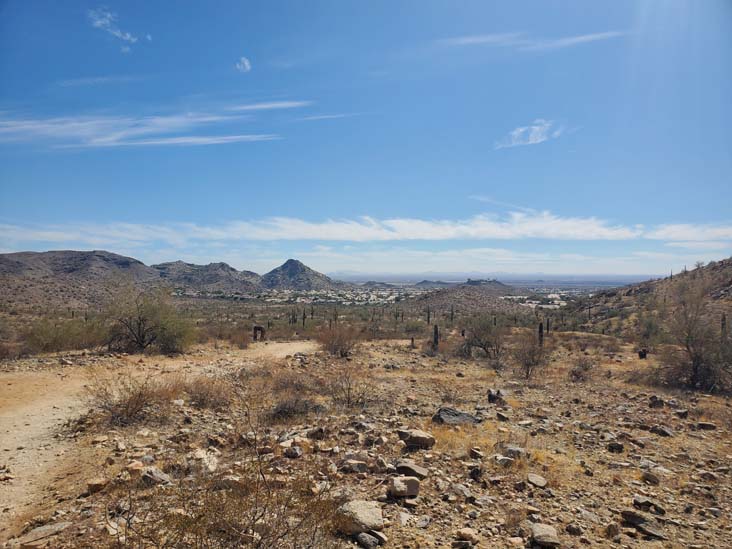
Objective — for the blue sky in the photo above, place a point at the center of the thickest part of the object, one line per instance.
(384, 136)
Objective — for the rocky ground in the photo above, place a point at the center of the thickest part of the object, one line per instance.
(402, 449)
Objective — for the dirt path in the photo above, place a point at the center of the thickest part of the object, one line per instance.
(279, 349)
(33, 405)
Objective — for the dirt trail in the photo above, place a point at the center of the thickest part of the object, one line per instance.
(33, 405)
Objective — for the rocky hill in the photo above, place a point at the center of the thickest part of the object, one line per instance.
(209, 278)
(616, 310)
(78, 279)
(470, 297)
(294, 275)
(65, 278)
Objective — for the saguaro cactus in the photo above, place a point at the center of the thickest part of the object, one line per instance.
(724, 326)
(541, 333)
(435, 337)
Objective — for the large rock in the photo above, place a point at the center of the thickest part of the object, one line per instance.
(544, 535)
(39, 536)
(404, 487)
(359, 516)
(536, 480)
(451, 416)
(415, 438)
(410, 469)
(153, 475)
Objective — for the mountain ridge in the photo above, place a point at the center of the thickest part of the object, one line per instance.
(75, 278)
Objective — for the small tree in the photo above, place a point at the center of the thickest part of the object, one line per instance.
(339, 340)
(143, 320)
(530, 355)
(485, 333)
(705, 358)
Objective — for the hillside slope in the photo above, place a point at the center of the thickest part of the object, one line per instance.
(294, 275)
(214, 277)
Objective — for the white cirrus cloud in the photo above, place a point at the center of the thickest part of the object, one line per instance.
(271, 105)
(539, 131)
(513, 226)
(243, 65)
(103, 19)
(687, 232)
(521, 41)
(701, 245)
(123, 131)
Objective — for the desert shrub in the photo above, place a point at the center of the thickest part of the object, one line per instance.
(414, 328)
(293, 406)
(147, 320)
(530, 354)
(487, 334)
(125, 399)
(210, 392)
(348, 387)
(339, 340)
(237, 334)
(582, 368)
(249, 509)
(49, 334)
(702, 358)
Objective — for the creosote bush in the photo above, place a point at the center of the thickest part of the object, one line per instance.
(126, 399)
(248, 507)
(530, 355)
(339, 340)
(582, 368)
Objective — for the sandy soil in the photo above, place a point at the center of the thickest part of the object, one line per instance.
(33, 407)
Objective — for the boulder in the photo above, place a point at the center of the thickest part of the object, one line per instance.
(403, 487)
(408, 468)
(536, 480)
(359, 516)
(544, 535)
(451, 416)
(416, 438)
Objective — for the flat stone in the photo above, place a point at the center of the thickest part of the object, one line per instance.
(359, 516)
(536, 480)
(451, 416)
(416, 438)
(544, 535)
(38, 536)
(408, 468)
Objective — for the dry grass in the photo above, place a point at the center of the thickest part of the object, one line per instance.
(125, 399)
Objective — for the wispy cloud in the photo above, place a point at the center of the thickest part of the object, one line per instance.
(121, 131)
(700, 245)
(96, 81)
(512, 226)
(103, 19)
(327, 116)
(687, 232)
(521, 41)
(539, 131)
(193, 140)
(271, 105)
(372, 244)
(243, 65)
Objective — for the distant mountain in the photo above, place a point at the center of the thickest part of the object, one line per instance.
(472, 296)
(433, 284)
(73, 279)
(210, 278)
(295, 275)
(65, 278)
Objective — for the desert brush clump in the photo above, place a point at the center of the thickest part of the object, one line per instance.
(143, 321)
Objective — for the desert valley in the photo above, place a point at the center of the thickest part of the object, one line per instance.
(447, 416)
